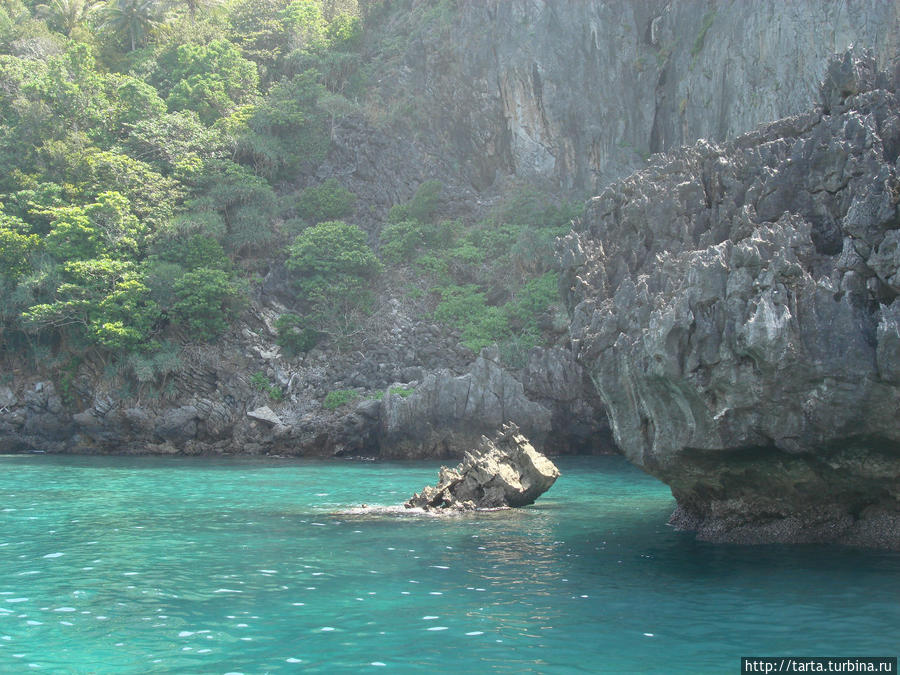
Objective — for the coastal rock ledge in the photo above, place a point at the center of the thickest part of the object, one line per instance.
(505, 471)
(736, 308)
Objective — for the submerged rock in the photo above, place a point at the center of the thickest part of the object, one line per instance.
(505, 471)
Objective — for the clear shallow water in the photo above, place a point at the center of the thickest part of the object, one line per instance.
(141, 565)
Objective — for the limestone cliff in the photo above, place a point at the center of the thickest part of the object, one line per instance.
(581, 93)
(736, 308)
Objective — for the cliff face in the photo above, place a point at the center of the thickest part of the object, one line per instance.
(581, 93)
(736, 308)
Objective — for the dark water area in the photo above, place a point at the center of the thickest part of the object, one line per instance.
(155, 565)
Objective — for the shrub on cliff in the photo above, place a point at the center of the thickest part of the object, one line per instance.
(333, 267)
(423, 205)
(206, 299)
(335, 399)
(100, 302)
(327, 201)
(15, 247)
(399, 241)
(295, 334)
(402, 241)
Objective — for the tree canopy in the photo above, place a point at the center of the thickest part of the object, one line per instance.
(143, 143)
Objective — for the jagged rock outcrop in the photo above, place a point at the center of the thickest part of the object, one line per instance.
(505, 471)
(736, 308)
(447, 414)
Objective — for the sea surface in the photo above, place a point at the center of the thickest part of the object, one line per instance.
(157, 565)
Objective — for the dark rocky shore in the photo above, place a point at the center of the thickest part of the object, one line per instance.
(216, 410)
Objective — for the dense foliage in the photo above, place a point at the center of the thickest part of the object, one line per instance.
(493, 280)
(159, 155)
(143, 143)
(333, 267)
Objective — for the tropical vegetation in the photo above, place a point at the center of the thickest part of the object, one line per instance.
(159, 157)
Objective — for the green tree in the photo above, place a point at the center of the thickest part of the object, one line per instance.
(333, 267)
(423, 205)
(330, 250)
(206, 300)
(295, 335)
(74, 92)
(125, 317)
(304, 26)
(72, 235)
(151, 196)
(190, 251)
(257, 26)
(244, 201)
(118, 228)
(204, 94)
(134, 101)
(400, 241)
(287, 133)
(194, 6)
(175, 142)
(131, 20)
(209, 79)
(102, 302)
(327, 201)
(16, 248)
(66, 15)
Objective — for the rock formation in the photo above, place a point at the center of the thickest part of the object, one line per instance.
(735, 306)
(446, 413)
(217, 410)
(505, 471)
(580, 93)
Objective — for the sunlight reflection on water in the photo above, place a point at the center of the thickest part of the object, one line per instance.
(161, 565)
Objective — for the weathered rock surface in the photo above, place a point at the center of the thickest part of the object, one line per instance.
(265, 414)
(736, 308)
(505, 471)
(554, 379)
(7, 397)
(580, 93)
(447, 414)
(215, 409)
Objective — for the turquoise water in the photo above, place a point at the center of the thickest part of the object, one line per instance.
(141, 565)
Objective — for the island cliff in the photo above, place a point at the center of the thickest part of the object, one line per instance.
(735, 306)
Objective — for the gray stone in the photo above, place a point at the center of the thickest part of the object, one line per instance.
(735, 310)
(447, 414)
(177, 425)
(7, 397)
(265, 414)
(505, 471)
(138, 419)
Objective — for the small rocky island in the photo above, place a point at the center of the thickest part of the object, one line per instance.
(501, 472)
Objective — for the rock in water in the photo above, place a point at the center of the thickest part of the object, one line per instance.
(505, 471)
(736, 308)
